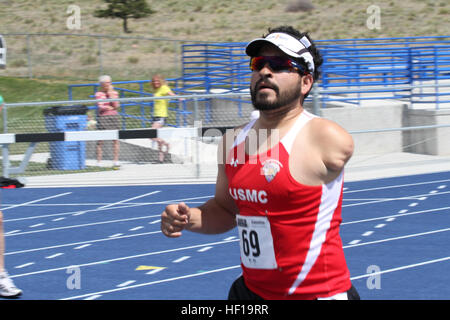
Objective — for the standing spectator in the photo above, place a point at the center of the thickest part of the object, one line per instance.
(108, 117)
(7, 287)
(161, 112)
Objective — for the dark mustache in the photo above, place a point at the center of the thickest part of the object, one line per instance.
(265, 83)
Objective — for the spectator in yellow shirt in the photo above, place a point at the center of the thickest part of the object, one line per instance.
(160, 112)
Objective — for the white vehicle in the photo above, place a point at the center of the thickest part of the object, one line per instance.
(2, 52)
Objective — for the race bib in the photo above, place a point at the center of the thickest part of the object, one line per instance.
(256, 242)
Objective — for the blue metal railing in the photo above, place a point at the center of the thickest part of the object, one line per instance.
(348, 64)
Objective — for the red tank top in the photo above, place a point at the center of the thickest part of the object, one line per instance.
(289, 232)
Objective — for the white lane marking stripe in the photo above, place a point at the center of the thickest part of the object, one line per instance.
(400, 268)
(54, 255)
(181, 259)
(129, 199)
(37, 200)
(396, 215)
(24, 265)
(155, 282)
(109, 208)
(83, 225)
(82, 246)
(81, 242)
(124, 258)
(126, 283)
(398, 238)
(95, 296)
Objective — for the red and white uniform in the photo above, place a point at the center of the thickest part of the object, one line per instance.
(289, 232)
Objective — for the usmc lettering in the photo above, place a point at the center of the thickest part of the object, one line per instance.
(249, 195)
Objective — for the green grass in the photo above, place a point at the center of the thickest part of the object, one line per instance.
(26, 90)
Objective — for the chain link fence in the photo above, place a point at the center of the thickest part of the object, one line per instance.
(44, 152)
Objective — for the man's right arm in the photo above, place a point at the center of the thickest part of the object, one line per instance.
(217, 215)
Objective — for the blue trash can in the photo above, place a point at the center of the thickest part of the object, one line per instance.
(66, 155)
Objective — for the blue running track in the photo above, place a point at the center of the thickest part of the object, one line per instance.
(105, 242)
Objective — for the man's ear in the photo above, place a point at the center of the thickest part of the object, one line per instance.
(307, 83)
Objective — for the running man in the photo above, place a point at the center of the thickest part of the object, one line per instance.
(284, 189)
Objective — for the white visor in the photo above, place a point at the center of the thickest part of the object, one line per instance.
(286, 43)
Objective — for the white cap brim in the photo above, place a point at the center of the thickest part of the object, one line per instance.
(288, 44)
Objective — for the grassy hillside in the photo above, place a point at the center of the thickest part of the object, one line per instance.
(236, 20)
(76, 58)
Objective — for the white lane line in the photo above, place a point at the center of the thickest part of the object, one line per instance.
(390, 219)
(136, 228)
(24, 265)
(154, 271)
(125, 258)
(154, 222)
(187, 200)
(84, 225)
(403, 211)
(354, 241)
(181, 259)
(372, 201)
(93, 297)
(401, 268)
(413, 204)
(82, 246)
(399, 186)
(442, 186)
(397, 238)
(37, 200)
(204, 249)
(54, 255)
(106, 206)
(381, 225)
(36, 225)
(115, 235)
(230, 238)
(129, 199)
(397, 215)
(126, 283)
(155, 282)
(81, 242)
(367, 233)
(58, 219)
(11, 232)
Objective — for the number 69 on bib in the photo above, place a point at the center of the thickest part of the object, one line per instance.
(256, 242)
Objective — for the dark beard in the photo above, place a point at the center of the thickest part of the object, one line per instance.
(261, 103)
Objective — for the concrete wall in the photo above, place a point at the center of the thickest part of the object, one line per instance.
(367, 118)
(428, 141)
(388, 114)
